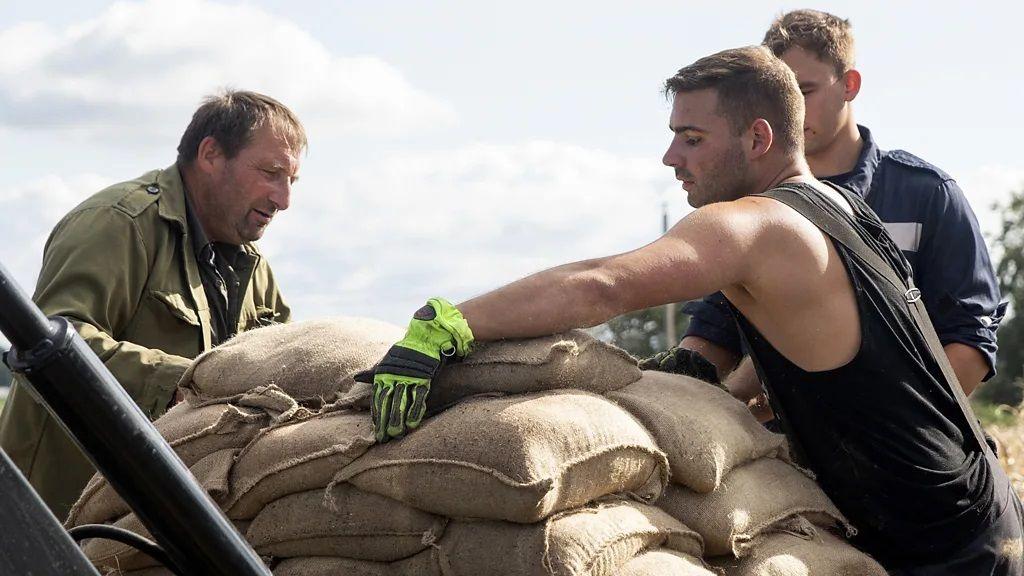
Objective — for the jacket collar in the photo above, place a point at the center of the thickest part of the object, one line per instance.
(172, 196)
(859, 179)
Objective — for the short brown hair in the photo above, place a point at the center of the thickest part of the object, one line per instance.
(828, 37)
(232, 117)
(751, 83)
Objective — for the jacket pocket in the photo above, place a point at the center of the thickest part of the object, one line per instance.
(177, 306)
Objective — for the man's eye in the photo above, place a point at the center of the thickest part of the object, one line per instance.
(692, 141)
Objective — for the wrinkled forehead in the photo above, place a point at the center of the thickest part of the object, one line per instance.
(270, 146)
(697, 109)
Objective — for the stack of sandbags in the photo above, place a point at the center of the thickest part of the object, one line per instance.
(550, 456)
(530, 471)
(250, 386)
(732, 482)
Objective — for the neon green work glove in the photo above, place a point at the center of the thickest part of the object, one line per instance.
(401, 381)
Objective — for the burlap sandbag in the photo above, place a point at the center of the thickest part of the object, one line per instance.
(593, 541)
(661, 562)
(570, 360)
(345, 522)
(212, 474)
(311, 359)
(296, 457)
(193, 433)
(781, 554)
(751, 499)
(422, 564)
(330, 566)
(112, 557)
(704, 431)
(516, 458)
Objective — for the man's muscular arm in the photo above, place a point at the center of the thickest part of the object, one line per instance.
(708, 250)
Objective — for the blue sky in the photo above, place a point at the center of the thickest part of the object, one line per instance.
(455, 146)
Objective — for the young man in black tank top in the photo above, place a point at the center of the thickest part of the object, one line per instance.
(852, 370)
(921, 206)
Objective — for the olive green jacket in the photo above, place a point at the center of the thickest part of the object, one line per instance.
(122, 268)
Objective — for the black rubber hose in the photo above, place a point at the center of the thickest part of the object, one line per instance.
(126, 537)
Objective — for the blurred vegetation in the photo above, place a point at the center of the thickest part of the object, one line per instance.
(996, 414)
(642, 333)
(1007, 386)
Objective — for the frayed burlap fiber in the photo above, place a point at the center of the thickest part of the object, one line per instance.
(704, 431)
(752, 498)
(518, 458)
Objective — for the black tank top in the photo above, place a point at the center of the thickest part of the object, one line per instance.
(884, 434)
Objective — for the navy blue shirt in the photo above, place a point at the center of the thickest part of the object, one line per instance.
(928, 216)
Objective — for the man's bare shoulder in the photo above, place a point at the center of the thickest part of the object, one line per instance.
(750, 216)
(764, 231)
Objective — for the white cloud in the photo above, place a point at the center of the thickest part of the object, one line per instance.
(384, 237)
(29, 211)
(459, 222)
(139, 69)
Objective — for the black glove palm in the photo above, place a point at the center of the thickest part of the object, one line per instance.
(682, 361)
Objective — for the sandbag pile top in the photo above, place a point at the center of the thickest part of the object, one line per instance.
(313, 359)
(550, 456)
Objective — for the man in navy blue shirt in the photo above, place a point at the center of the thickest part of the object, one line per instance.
(922, 207)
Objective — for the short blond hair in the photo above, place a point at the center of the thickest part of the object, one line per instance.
(828, 37)
(750, 83)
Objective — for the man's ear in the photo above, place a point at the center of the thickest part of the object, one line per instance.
(209, 156)
(851, 85)
(761, 138)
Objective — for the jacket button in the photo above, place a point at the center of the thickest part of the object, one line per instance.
(152, 189)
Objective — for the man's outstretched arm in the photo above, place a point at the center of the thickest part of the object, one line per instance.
(709, 250)
(705, 252)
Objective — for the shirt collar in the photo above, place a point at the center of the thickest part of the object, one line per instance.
(859, 179)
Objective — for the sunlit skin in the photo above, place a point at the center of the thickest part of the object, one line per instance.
(779, 269)
(832, 146)
(236, 198)
(707, 157)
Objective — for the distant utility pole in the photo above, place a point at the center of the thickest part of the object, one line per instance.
(670, 308)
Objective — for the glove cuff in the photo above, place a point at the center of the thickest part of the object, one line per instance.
(450, 318)
(403, 361)
(438, 330)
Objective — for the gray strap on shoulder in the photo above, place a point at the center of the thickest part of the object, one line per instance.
(845, 234)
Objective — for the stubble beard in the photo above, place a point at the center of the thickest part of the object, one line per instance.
(728, 178)
(237, 216)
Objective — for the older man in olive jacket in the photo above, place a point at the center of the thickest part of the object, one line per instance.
(154, 271)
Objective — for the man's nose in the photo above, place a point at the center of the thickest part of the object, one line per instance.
(282, 194)
(672, 157)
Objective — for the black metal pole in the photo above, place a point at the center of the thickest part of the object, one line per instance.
(120, 441)
(34, 541)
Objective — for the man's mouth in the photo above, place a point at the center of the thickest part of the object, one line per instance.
(262, 217)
